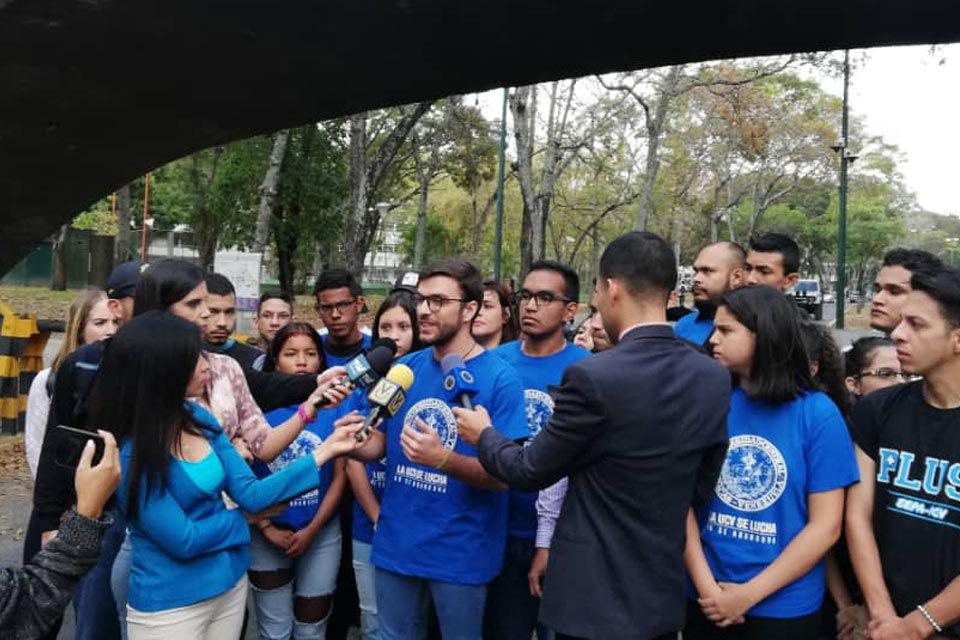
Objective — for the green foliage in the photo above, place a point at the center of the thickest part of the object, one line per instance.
(98, 219)
(437, 240)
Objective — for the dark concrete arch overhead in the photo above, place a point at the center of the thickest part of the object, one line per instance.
(96, 92)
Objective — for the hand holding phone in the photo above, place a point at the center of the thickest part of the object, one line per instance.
(95, 483)
(70, 446)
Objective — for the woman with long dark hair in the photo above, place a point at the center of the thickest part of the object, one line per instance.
(190, 553)
(395, 319)
(496, 322)
(755, 550)
(296, 554)
(826, 362)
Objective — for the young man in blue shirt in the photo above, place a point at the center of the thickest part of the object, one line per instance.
(719, 267)
(547, 301)
(443, 519)
(340, 302)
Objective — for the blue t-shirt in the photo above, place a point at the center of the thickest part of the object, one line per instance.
(337, 357)
(537, 374)
(691, 327)
(778, 454)
(431, 524)
(376, 474)
(304, 507)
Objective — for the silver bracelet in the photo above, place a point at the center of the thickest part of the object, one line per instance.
(926, 614)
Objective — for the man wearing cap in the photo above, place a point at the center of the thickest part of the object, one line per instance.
(53, 496)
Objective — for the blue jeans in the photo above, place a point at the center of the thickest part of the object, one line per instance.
(363, 571)
(314, 574)
(511, 612)
(93, 602)
(402, 600)
(120, 582)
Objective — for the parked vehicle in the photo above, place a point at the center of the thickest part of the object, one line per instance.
(808, 297)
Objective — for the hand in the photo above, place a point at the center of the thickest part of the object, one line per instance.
(266, 514)
(332, 385)
(300, 541)
(537, 569)
(850, 620)
(470, 424)
(422, 445)
(95, 485)
(46, 537)
(910, 627)
(343, 440)
(280, 538)
(727, 606)
(243, 449)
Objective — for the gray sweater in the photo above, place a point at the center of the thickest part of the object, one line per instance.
(33, 598)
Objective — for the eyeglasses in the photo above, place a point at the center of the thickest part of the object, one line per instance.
(885, 374)
(540, 298)
(343, 306)
(435, 303)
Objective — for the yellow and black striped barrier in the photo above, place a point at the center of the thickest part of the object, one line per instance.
(21, 357)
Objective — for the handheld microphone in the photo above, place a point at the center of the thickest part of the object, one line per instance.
(458, 381)
(365, 369)
(387, 396)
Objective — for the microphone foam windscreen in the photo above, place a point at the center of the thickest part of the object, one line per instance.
(380, 354)
(452, 361)
(402, 375)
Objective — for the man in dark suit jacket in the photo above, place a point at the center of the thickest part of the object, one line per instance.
(640, 430)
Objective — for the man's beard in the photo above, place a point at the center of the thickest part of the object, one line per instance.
(444, 335)
(707, 308)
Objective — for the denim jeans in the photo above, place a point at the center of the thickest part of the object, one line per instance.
(93, 602)
(402, 601)
(120, 582)
(314, 574)
(511, 612)
(366, 589)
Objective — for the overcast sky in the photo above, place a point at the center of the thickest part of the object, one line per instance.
(907, 96)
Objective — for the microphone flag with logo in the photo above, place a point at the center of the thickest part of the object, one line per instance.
(387, 396)
(366, 368)
(458, 382)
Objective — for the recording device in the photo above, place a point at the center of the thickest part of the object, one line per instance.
(458, 381)
(365, 369)
(387, 396)
(70, 446)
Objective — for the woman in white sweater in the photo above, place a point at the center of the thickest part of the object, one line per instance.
(89, 319)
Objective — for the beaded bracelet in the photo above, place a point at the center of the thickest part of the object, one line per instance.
(926, 614)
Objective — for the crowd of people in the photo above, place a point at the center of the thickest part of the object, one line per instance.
(733, 476)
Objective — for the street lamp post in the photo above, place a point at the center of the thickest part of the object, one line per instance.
(498, 231)
(841, 148)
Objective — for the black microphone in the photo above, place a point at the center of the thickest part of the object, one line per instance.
(366, 368)
(458, 381)
(387, 396)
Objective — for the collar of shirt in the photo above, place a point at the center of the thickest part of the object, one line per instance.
(641, 324)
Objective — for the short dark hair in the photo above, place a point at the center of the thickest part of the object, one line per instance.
(643, 261)
(219, 285)
(164, 283)
(780, 369)
(274, 295)
(337, 279)
(912, 260)
(463, 270)
(400, 297)
(778, 243)
(571, 281)
(943, 285)
(861, 353)
(291, 329)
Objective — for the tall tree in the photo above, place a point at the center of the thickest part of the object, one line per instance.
(123, 248)
(268, 189)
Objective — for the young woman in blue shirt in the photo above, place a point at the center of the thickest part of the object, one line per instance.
(190, 551)
(296, 554)
(755, 550)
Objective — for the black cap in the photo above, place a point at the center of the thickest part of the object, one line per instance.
(122, 282)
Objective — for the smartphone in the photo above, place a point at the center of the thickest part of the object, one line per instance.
(70, 445)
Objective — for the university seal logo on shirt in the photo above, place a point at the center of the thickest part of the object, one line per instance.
(754, 474)
(302, 446)
(539, 409)
(438, 416)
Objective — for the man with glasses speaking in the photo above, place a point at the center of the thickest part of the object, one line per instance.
(340, 302)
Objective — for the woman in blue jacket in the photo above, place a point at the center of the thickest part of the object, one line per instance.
(190, 552)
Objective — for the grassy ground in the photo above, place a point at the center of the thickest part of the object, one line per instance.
(857, 320)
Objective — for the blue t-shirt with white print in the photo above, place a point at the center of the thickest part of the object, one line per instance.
(431, 524)
(778, 454)
(304, 507)
(376, 472)
(538, 375)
